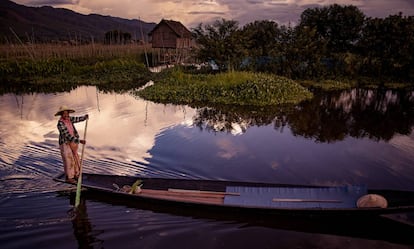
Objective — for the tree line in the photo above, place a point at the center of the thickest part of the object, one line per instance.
(332, 42)
(117, 37)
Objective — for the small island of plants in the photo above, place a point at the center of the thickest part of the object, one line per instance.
(228, 88)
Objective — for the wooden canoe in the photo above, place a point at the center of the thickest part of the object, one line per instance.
(264, 198)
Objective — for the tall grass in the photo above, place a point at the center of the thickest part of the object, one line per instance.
(80, 64)
(30, 51)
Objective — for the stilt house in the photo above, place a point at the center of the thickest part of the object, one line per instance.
(172, 39)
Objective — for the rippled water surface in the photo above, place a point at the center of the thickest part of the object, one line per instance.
(351, 137)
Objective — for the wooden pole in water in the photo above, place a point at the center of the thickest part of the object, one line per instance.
(143, 40)
(79, 185)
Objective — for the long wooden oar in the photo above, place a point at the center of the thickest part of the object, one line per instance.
(79, 185)
(304, 200)
(200, 192)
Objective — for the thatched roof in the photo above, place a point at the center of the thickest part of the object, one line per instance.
(177, 27)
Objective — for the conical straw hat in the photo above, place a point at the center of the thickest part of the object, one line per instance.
(62, 109)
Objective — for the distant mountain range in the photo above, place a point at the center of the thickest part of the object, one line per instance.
(45, 24)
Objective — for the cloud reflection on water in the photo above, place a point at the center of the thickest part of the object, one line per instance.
(121, 127)
(333, 139)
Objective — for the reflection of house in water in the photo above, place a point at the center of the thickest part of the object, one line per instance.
(172, 41)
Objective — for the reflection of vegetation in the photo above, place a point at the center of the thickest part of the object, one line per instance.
(230, 88)
(375, 114)
(328, 85)
(227, 118)
(24, 88)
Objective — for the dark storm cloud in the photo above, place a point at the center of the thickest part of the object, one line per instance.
(384, 8)
(206, 13)
(289, 11)
(254, 1)
(286, 12)
(52, 2)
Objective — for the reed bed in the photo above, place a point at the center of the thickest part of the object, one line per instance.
(27, 65)
(30, 51)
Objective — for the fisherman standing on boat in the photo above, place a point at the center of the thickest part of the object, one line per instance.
(69, 141)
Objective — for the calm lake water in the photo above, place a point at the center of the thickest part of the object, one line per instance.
(350, 137)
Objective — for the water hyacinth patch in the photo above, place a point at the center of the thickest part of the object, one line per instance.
(230, 88)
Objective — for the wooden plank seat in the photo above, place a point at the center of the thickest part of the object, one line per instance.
(207, 197)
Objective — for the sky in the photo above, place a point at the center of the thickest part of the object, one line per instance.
(193, 12)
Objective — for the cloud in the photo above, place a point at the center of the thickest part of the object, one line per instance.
(228, 149)
(191, 13)
(52, 2)
(206, 13)
(29, 120)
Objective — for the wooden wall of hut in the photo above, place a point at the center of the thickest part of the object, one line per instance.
(171, 42)
(164, 37)
(162, 56)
